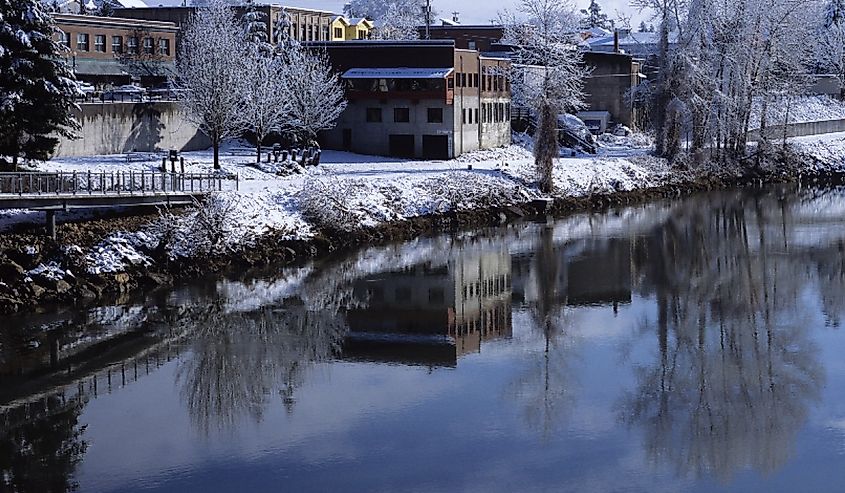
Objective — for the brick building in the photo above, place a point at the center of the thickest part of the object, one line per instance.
(418, 99)
(114, 50)
(304, 24)
(467, 37)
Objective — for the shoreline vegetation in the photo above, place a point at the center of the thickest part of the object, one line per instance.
(109, 257)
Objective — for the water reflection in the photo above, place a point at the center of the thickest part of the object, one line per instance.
(725, 365)
(239, 360)
(735, 369)
(431, 313)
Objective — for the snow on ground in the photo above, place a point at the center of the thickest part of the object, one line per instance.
(801, 110)
(348, 192)
(825, 153)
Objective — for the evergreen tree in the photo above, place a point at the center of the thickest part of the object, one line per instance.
(594, 17)
(36, 86)
(643, 28)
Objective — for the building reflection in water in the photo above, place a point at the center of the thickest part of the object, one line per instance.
(431, 314)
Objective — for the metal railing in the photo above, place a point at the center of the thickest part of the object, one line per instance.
(111, 183)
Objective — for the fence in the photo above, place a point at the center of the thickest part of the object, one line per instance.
(102, 183)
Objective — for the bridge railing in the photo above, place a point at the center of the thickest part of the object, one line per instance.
(111, 183)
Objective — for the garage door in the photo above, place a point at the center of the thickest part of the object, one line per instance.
(435, 146)
(401, 145)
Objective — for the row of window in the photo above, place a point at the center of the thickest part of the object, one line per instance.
(308, 32)
(83, 43)
(489, 82)
(490, 113)
(403, 115)
(489, 287)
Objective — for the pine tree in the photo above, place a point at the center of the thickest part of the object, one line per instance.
(643, 28)
(37, 88)
(594, 17)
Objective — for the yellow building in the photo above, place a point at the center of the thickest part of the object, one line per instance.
(343, 29)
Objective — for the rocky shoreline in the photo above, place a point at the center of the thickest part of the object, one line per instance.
(26, 284)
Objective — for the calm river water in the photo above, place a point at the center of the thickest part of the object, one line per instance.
(690, 345)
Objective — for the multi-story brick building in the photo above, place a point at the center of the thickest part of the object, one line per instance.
(113, 50)
(303, 24)
(418, 99)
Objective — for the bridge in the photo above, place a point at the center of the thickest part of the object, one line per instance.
(62, 191)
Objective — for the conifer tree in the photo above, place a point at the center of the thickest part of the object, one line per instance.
(37, 88)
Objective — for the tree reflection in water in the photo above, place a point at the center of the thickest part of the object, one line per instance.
(41, 454)
(545, 388)
(238, 360)
(736, 370)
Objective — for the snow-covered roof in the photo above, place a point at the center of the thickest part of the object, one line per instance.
(132, 4)
(397, 73)
(359, 20)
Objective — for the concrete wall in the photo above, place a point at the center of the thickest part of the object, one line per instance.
(801, 129)
(114, 128)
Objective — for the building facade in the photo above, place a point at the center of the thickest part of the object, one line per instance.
(343, 29)
(114, 50)
(467, 37)
(418, 99)
(303, 24)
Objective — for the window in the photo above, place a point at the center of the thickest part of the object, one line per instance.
(435, 115)
(464, 116)
(164, 46)
(436, 295)
(65, 39)
(471, 44)
(508, 111)
(295, 28)
(475, 115)
(401, 115)
(474, 80)
(338, 32)
(100, 43)
(117, 44)
(132, 45)
(373, 115)
(148, 46)
(310, 32)
(326, 33)
(82, 42)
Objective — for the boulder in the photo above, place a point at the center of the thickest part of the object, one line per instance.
(10, 270)
(62, 286)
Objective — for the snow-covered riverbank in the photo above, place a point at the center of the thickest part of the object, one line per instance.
(347, 196)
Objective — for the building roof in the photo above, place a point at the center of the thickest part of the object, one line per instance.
(115, 22)
(397, 73)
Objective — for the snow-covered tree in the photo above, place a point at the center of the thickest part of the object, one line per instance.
(643, 28)
(552, 78)
(394, 17)
(831, 47)
(314, 91)
(728, 58)
(400, 22)
(37, 88)
(211, 73)
(265, 99)
(594, 17)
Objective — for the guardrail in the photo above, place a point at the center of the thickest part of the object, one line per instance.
(103, 183)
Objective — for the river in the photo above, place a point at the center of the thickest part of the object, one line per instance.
(687, 345)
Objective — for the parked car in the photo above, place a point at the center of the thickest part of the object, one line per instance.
(87, 89)
(124, 93)
(163, 91)
(575, 134)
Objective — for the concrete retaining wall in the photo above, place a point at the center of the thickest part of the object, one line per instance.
(114, 128)
(801, 129)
